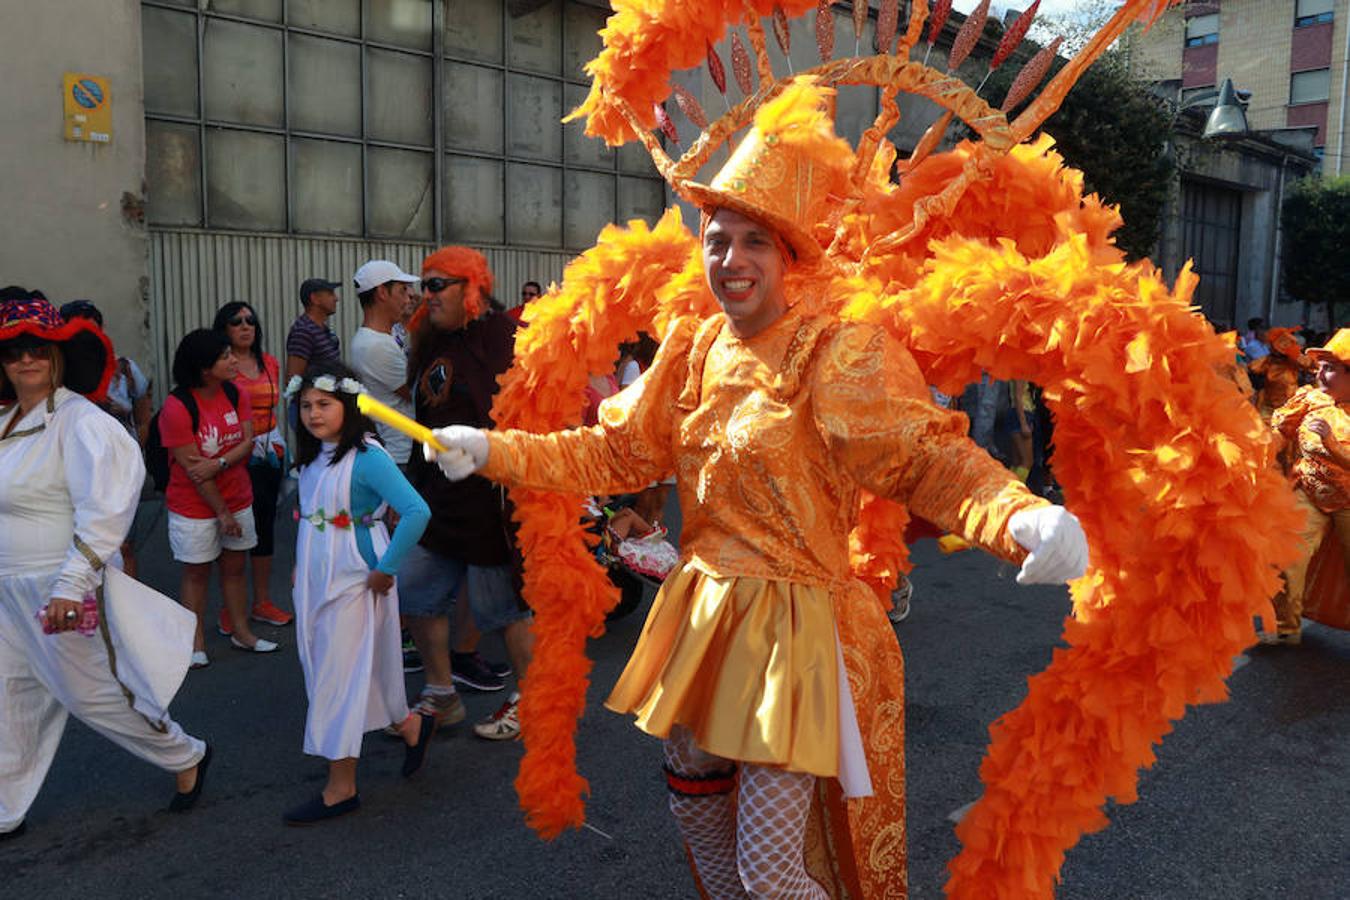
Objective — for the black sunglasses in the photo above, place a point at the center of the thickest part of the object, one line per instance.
(12, 354)
(436, 285)
(244, 320)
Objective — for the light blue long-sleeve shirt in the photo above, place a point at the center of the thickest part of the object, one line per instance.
(376, 479)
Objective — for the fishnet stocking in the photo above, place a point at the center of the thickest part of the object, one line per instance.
(707, 824)
(752, 848)
(770, 831)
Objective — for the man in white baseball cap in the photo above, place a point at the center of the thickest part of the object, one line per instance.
(384, 291)
(379, 272)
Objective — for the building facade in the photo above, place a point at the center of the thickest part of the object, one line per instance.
(1224, 211)
(1291, 55)
(255, 143)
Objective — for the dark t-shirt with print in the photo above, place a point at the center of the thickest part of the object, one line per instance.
(454, 382)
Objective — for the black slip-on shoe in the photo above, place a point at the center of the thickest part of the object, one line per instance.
(414, 757)
(314, 810)
(182, 802)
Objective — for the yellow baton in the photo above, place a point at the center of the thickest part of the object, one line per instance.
(398, 421)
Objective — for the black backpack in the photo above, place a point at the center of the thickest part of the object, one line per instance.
(156, 455)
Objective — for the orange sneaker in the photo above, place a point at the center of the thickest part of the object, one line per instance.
(225, 626)
(264, 611)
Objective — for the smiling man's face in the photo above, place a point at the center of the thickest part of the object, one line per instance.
(744, 267)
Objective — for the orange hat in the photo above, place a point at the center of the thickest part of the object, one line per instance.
(1338, 348)
(461, 262)
(1283, 342)
(788, 172)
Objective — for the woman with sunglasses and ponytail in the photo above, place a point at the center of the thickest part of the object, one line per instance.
(259, 382)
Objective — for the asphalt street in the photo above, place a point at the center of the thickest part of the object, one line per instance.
(1248, 799)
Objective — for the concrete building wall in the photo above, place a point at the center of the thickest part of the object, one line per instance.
(1261, 171)
(1255, 40)
(1155, 55)
(74, 210)
(1338, 123)
(1259, 48)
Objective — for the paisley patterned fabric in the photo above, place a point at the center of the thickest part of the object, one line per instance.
(772, 439)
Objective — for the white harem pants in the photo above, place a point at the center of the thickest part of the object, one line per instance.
(44, 677)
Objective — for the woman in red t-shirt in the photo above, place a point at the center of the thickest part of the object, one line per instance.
(209, 496)
(258, 380)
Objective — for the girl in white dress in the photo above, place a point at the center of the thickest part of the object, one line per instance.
(346, 607)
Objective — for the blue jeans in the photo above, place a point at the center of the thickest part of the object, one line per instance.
(428, 583)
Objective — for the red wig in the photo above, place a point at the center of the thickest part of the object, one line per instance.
(461, 262)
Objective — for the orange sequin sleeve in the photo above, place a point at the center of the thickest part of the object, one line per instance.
(873, 409)
(629, 449)
(1290, 416)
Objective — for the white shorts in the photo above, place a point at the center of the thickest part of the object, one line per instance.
(200, 540)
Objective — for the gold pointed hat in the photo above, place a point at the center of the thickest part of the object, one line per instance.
(789, 172)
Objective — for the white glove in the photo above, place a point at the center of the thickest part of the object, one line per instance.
(466, 451)
(1058, 550)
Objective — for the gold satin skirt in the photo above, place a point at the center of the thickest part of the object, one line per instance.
(749, 665)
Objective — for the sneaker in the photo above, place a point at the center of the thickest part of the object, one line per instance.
(265, 612)
(412, 660)
(500, 669)
(224, 625)
(469, 670)
(900, 598)
(504, 724)
(447, 708)
(1280, 638)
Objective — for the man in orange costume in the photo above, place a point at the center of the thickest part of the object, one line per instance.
(1317, 424)
(1280, 369)
(763, 664)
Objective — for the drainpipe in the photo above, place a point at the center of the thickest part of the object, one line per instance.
(1279, 234)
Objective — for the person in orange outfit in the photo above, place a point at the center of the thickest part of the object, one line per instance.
(768, 669)
(1281, 370)
(1321, 469)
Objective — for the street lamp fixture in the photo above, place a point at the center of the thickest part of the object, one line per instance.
(1227, 119)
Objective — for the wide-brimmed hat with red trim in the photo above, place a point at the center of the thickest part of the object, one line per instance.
(89, 359)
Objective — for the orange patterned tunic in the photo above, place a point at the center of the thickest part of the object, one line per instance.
(1322, 478)
(772, 438)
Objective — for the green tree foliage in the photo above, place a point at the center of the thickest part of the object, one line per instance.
(1316, 223)
(1114, 129)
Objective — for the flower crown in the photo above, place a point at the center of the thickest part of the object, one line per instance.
(329, 384)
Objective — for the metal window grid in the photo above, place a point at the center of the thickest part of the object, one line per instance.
(439, 59)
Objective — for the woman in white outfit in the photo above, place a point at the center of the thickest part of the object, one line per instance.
(70, 476)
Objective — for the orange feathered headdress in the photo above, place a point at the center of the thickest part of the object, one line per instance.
(461, 262)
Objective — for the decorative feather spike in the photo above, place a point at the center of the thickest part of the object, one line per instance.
(740, 64)
(1014, 36)
(1031, 75)
(939, 19)
(888, 18)
(715, 69)
(781, 31)
(825, 29)
(860, 19)
(690, 106)
(663, 120)
(968, 35)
